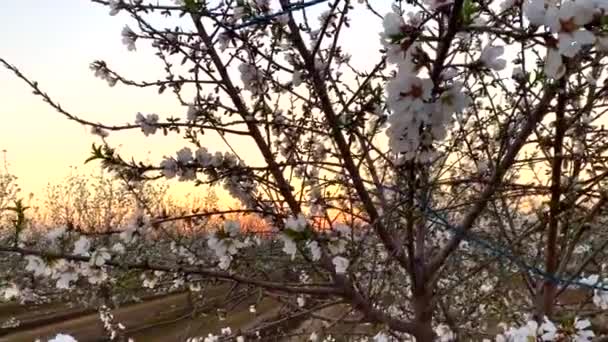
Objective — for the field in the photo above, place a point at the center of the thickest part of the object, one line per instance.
(168, 317)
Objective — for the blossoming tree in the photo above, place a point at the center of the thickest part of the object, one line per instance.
(454, 182)
(8, 191)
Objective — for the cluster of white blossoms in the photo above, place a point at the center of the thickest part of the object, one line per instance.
(420, 112)
(579, 331)
(10, 292)
(336, 242)
(100, 70)
(225, 244)
(66, 272)
(148, 123)
(293, 225)
(185, 163)
(568, 22)
(252, 78)
(237, 182)
(196, 109)
(214, 338)
(444, 333)
(112, 328)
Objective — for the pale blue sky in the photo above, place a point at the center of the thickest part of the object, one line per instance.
(53, 42)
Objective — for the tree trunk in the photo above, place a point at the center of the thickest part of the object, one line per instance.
(423, 312)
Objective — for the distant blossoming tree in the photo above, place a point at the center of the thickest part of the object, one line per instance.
(9, 190)
(454, 182)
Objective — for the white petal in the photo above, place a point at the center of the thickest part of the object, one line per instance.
(584, 37)
(554, 67)
(567, 45)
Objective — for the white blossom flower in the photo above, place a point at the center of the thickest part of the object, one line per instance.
(55, 234)
(219, 246)
(380, 337)
(102, 72)
(11, 292)
(554, 68)
(297, 224)
(225, 261)
(82, 246)
(95, 130)
(65, 273)
(315, 250)
(169, 168)
(408, 93)
(127, 234)
(289, 246)
(452, 101)
(63, 338)
(251, 78)
(524, 333)
(301, 301)
(341, 264)
(407, 98)
(224, 41)
(490, 57)
(535, 11)
(226, 331)
(203, 157)
(337, 246)
(184, 156)
(444, 333)
(548, 329)
(583, 330)
(149, 281)
(518, 74)
(115, 6)
(192, 113)
(567, 22)
(128, 38)
(37, 266)
(393, 24)
(486, 287)
(343, 230)
(100, 257)
(118, 248)
(93, 275)
(600, 297)
(233, 228)
(147, 123)
(217, 159)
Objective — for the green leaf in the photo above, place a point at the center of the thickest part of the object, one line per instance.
(604, 23)
(20, 220)
(298, 236)
(95, 154)
(191, 5)
(469, 8)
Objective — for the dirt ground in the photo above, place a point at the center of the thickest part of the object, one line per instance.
(168, 318)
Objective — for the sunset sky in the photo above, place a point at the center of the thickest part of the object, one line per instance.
(53, 42)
